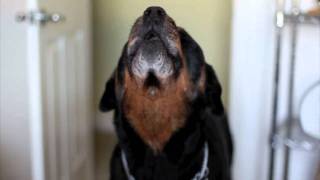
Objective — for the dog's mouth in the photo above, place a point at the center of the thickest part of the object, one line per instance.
(153, 48)
(152, 63)
(151, 36)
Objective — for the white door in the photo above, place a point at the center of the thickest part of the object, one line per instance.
(60, 90)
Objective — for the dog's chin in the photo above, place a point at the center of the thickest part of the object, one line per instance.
(152, 65)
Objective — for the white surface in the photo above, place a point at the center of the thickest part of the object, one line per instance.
(35, 97)
(14, 122)
(251, 89)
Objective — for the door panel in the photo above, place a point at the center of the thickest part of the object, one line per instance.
(55, 114)
(67, 107)
(51, 110)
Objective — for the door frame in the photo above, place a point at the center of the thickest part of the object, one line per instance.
(35, 97)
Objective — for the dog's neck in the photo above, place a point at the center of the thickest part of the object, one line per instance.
(157, 116)
(183, 152)
(158, 132)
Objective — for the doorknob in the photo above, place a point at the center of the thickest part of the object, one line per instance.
(39, 17)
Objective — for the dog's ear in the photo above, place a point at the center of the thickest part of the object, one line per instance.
(193, 54)
(109, 100)
(111, 95)
(213, 91)
(195, 61)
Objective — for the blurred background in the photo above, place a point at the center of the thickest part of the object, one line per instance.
(57, 55)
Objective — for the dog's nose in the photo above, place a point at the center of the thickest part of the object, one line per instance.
(154, 13)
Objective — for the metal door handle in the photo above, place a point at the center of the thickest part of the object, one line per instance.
(39, 17)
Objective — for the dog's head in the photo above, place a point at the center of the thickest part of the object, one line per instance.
(154, 53)
(160, 73)
(154, 48)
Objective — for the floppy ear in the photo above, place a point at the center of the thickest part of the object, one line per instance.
(213, 100)
(213, 91)
(195, 61)
(108, 100)
(110, 97)
(193, 54)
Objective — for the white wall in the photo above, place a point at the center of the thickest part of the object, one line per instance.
(14, 123)
(251, 89)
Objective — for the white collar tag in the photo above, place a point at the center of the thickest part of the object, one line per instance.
(201, 175)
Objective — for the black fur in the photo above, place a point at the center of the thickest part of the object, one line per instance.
(182, 156)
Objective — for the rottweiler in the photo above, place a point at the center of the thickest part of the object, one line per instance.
(169, 117)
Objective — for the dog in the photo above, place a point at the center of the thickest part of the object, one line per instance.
(169, 118)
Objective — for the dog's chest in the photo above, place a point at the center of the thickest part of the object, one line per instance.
(155, 119)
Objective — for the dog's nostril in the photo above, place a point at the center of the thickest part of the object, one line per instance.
(160, 12)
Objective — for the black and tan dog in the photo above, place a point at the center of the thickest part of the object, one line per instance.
(169, 117)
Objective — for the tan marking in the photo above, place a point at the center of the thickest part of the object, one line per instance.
(155, 118)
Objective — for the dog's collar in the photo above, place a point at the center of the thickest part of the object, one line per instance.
(201, 175)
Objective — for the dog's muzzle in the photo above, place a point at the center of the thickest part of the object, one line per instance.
(152, 56)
